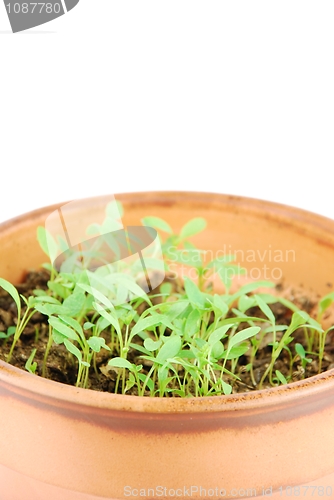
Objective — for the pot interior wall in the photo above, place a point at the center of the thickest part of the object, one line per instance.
(270, 241)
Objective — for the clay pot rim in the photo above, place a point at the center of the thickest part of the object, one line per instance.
(29, 385)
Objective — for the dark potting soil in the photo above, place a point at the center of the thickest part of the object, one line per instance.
(62, 367)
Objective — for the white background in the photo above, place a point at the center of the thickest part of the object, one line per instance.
(133, 95)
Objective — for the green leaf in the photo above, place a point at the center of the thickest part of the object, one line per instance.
(265, 309)
(301, 353)
(219, 334)
(130, 382)
(194, 226)
(10, 331)
(98, 296)
(73, 350)
(191, 257)
(62, 328)
(149, 382)
(57, 336)
(75, 302)
(221, 261)
(49, 309)
(220, 304)
(9, 288)
(88, 325)
(235, 352)
(194, 294)
(170, 348)
(109, 316)
(46, 299)
(148, 323)
(192, 325)
(120, 363)
(157, 223)
(243, 335)
(30, 366)
(217, 350)
(188, 353)
(300, 350)
(166, 289)
(47, 242)
(175, 309)
(227, 388)
(97, 343)
(152, 345)
(250, 287)
(281, 377)
(73, 323)
(297, 320)
(139, 348)
(325, 302)
(58, 288)
(245, 302)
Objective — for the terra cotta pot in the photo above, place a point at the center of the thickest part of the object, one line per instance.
(62, 442)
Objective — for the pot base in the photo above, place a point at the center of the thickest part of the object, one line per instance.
(16, 486)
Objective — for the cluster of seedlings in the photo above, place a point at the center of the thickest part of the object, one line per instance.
(183, 339)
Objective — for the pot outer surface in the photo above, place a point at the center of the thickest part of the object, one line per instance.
(69, 443)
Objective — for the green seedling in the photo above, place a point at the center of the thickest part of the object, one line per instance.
(31, 365)
(6, 335)
(185, 339)
(22, 320)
